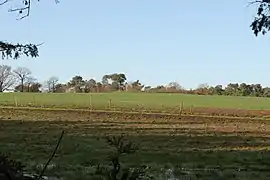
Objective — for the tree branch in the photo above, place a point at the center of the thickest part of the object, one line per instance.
(26, 7)
(261, 22)
(53, 154)
(9, 50)
(15, 51)
(4, 2)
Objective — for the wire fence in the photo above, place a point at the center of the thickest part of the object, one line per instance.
(92, 103)
(122, 104)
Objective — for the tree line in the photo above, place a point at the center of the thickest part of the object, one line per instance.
(22, 80)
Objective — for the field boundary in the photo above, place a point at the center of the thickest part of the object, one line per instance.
(129, 113)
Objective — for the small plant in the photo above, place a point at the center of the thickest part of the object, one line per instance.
(115, 170)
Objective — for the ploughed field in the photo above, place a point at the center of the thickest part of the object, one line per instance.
(193, 147)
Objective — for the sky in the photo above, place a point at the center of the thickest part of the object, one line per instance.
(156, 41)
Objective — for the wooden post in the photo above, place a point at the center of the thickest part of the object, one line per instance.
(34, 100)
(16, 101)
(90, 102)
(191, 109)
(181, 108)
(110, 103)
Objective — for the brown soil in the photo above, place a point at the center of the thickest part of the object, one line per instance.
(145, 122)
(232, 112)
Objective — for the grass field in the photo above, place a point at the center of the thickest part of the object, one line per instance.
(194, 147)
(148, 100)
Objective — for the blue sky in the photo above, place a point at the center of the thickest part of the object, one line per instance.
(155, 41)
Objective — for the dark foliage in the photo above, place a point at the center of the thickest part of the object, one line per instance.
(11, 169)
(261, 22)
(16, 50)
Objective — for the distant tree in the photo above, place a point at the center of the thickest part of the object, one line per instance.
(137, 86)
(29, 82)
(34, 87)
(257, 90)
(202, 89)
(22, 73)
(174, 87)
(266, 92)
(105, 79)
(117, 81)
(60, 88)
(99, 86)
(7, 78)
(158, 89)
(91, 86)
(218, 90)
(77, 82)
(232, 89)
(51, 83)
(245, 89)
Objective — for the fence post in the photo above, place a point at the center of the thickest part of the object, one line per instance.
(181, 106)
(16, 101)
(110, 104)
(191, 109)
(90, 102)
(143, 109)
(34, 100)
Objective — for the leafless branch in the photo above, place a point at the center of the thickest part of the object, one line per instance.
(4, 2)
(53, 154)
(24, 10)
(7, 78)
(258, 2)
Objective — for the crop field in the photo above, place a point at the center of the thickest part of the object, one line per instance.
(192, 146)
(143, 102)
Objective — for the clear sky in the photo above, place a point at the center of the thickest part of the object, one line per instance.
(155, 41)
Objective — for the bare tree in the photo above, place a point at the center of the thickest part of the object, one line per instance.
(22, 74)
(30, 81)
(51, 83)
(175, 85)
(6, 78)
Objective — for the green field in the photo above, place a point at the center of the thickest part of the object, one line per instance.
(132, 100)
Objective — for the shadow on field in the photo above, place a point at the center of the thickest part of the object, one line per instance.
(194, 153)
